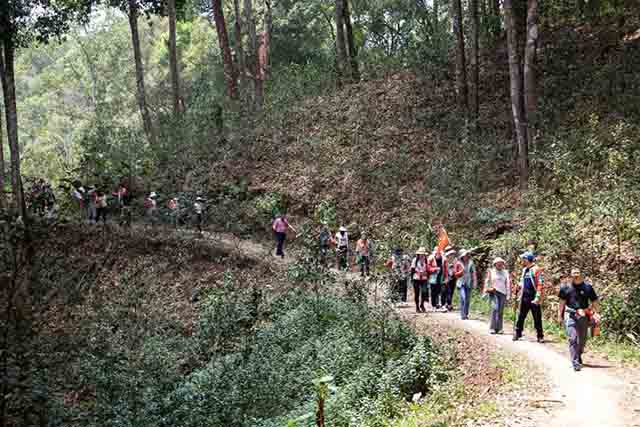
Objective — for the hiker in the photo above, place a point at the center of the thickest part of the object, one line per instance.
(437, 272)
(577, 310)
(400, 266)
(121, 195)
(151, 207)
(363, 253)
(101, 207)
(420, 276)
(341, 240)
(280, 225)
(466, 280)
(531, 283)
(324, 241)
(199, 207)
(90, 198)
(497, 285)
(450, 281)
(172, 205)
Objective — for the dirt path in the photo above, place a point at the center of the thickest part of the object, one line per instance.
(590, 398)
(594, 397)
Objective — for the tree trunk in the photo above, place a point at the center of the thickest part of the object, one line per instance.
(263, 56)
(252, 49)
(461, 65)
(7, 75)
(173, 59)
(475, 57)
(517, 107)
(351, 44)
(341, 50)
(530, 78)
(240, 58)
(223, 40)
(141, 91)
(436, 18)
(3, 203)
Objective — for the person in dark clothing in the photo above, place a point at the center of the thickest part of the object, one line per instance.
(531, 284)
(450, 285)
(420, 275)
(437, 274)
(577, 310)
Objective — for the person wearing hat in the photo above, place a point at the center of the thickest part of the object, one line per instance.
(450, 281)
(466, 279)
(437, 272)
(578, 306)
(400, 266)
(280, 226)
(151, 206)
(497, 285)
(531, 283)
(341, 241)
(172, 205)
(420, 275)
(92, 207)
(363, 253)
(199, 207)
(324, 240)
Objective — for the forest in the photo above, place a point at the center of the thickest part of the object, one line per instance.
(147, 146)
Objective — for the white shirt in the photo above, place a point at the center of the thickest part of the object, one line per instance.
(342, 239)
(500, 280)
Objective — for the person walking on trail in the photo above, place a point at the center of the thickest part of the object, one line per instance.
(466, 279)
(420, 275)
(280, 226)
(324, 241)
(577, 310)
(101, 207)
(450, 281)
(341, 240)
(363, 254)
(172, 205)
(199, 207)
(531, 283)
(151, 207)
(497, 285)
(437, 268)
(77, 194)
(91, 204)
(400, 266)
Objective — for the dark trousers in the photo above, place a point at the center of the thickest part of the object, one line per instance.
(446, 294)
(435, 294)
(101, 213)
(536, 312)
(364, 265)
(280, 238)
(343, 258)
(400, 290)
(420, 293)
(576, 329)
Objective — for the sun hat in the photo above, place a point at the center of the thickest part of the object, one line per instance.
(463, 253)
(449, 253)
(153, 194)
(529, 256)
(342, 228)
(199, 199)
(498, 260)
(421, 251)
(575, 271)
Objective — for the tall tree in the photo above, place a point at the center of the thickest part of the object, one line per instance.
(173, 58)
(251, 59)
(240, 58)
(263, 56)
(530, 77)
(516, 85)
(461, 63)
(3, 203)
(341, 48)
(351, 44)
(230, 72)
(141, 96)
(474, 61)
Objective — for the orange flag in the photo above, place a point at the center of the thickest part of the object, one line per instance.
(443, 239)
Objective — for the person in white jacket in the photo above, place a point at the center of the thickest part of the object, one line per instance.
(497, 285)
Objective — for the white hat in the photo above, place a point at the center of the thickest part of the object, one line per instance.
(153, 194)
(421, 251)
(199, 199)
(450, 252)
(342, 228)
(498, 260)
(463, 253)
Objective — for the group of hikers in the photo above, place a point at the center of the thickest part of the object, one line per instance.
(436, 275)
(95, 203)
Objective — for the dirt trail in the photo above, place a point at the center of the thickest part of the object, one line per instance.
(590, 398)
(594, 397)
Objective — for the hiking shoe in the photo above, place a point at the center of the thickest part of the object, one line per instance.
(516, 337)
(541, 340)
(577, 367)
(492, 332)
